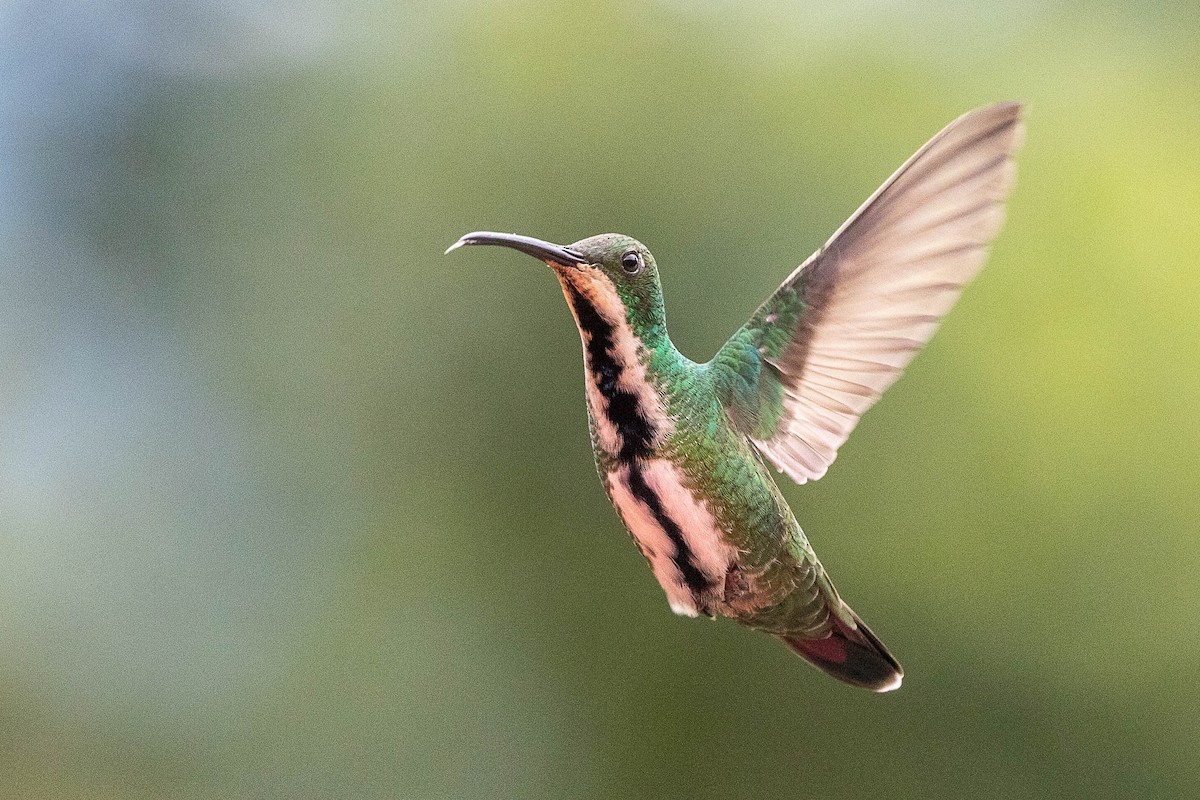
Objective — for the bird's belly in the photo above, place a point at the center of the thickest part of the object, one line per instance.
(675, 531)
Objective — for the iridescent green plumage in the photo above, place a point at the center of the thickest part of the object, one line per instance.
(681, 447)
(782, 588)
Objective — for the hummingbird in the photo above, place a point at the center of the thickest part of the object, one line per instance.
(682, 448)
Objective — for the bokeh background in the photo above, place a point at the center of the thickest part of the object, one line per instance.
(291, 506)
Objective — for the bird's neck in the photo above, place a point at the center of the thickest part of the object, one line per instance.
(631, 325)
(628, 361)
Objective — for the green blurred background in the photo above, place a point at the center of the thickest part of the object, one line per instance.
(291, 506)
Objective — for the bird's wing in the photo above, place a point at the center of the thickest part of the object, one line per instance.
(841, 329)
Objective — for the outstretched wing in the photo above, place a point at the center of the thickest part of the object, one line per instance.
(842, 328)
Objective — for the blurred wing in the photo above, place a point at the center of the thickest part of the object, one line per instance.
(842, 328)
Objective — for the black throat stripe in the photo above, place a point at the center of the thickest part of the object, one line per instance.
(635, 431)
(622, 407)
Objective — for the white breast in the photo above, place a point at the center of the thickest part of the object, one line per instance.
(702, 543)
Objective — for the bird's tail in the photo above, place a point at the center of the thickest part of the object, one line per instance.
(854, 655)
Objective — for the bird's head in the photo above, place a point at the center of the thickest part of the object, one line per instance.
(615, 274)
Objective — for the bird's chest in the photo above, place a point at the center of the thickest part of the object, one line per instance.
(676, 531)
(626, 406)
(630, 420)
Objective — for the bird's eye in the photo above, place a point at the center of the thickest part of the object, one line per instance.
(632, 262)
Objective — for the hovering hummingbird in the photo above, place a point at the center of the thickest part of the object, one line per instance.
(680, 446)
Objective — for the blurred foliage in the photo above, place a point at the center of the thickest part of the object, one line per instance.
(291, 506)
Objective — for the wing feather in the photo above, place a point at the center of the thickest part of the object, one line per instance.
(842, 328)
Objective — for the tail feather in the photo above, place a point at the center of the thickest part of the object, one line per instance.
(853, 655)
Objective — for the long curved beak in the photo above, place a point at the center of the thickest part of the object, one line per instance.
(543, 251)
